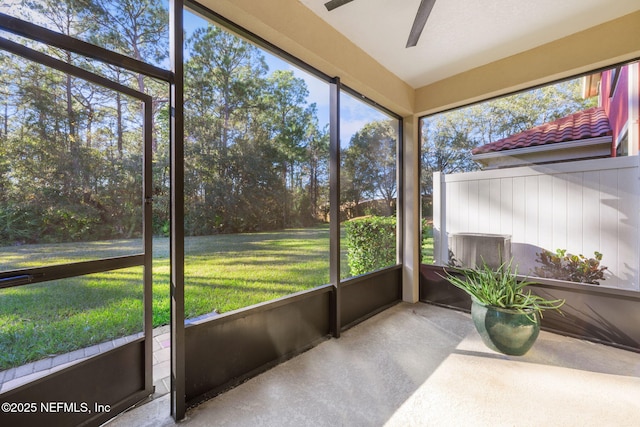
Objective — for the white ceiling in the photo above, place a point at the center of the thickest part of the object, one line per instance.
(461, 34)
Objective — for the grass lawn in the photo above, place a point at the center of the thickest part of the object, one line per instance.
(427, 244)
(222, 273)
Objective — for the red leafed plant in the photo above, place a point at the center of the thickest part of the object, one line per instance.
(573, 268)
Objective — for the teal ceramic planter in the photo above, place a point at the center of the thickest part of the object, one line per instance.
(503, 330)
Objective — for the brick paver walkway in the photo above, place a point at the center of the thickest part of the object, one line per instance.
(161, 360)
(15, 377)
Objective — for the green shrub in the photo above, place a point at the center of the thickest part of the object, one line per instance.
(573, 268)
(371, 243)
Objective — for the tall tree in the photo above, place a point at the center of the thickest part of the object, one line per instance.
(290, 118)
(64, 17)
(447, 141)
(316, 167)
(369, 166)
(224, 78)
(65, 185)
(139, 29)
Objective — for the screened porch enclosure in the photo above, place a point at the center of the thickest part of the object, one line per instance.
(250, 181)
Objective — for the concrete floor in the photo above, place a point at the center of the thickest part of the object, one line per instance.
(421, 365)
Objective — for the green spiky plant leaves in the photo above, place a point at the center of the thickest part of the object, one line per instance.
(501, 288)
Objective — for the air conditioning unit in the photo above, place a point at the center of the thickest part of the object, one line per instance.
(470, 249)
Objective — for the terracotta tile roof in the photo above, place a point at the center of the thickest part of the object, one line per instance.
(585, 124)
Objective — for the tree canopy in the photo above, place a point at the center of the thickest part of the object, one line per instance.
(369, 167)
(256, 157)
(448, 138)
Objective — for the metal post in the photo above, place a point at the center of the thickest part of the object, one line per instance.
(400, 183)
(440, 243)
(147, 225)
(178, 393)
(334, 202)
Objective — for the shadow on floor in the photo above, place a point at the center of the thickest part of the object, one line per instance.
(422, 365)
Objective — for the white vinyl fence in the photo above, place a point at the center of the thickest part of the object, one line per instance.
(581, 206)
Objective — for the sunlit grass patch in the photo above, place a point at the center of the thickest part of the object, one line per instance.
(222, 273)
(50, 318)
(225, 273)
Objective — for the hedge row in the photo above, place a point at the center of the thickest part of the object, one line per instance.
(371, 243)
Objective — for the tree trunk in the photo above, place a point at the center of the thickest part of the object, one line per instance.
(6, 118)
(119, 123)
(70, 115)
(89, 126)
(285, 195)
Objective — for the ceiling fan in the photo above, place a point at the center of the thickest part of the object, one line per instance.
(418, 23)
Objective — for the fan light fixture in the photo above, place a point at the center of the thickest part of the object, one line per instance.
(424, 10)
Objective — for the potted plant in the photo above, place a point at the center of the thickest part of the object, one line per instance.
(506, 316)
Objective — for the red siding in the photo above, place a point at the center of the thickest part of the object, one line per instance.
(616, 106)
(637, 102)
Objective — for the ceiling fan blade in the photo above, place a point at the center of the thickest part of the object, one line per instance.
(420, 20)
(330, 5)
